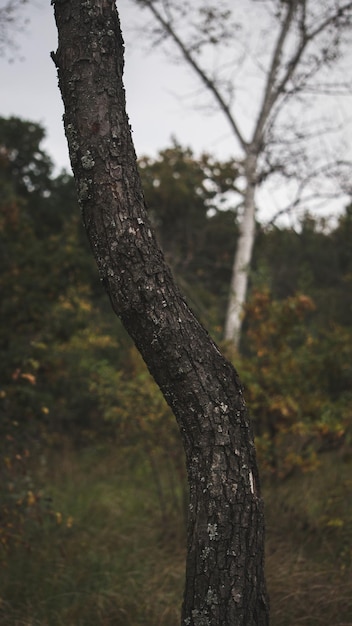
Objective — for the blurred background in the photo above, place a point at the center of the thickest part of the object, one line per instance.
(93, 491)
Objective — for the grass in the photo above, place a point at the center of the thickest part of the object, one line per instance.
(110, 560)
(108, 555)
(309, 547)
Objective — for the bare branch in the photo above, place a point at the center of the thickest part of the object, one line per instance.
(308, 37)
(270, 93)
(11, 22)
(191, 60)
(274, 92)
(320, 196)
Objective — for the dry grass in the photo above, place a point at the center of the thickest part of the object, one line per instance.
(121, 563)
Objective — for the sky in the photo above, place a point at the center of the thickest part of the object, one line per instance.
(160, 95)
(29, 90)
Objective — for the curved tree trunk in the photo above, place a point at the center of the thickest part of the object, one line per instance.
(225, 583)
(242, 260)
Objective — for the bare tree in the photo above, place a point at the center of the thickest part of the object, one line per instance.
(285, 57)
(225, 583)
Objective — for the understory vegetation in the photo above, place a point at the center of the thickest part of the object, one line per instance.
(93, 494)
(103, 550)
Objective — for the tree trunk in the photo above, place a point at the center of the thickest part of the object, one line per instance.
(224, 575)
(242, 260)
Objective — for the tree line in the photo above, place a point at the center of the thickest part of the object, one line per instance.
(301, 274)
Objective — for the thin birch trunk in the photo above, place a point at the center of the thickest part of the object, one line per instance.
(242, 259)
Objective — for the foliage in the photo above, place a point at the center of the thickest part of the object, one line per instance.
(298, 380)
(73, 386)
(68, 369)
(44, 279)
(145, 422)
(48, 289)
(313, 258)
(192, 204)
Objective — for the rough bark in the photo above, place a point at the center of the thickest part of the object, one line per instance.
(224, 574)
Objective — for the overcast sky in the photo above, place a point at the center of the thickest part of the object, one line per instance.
(160, 95)
(153, 87)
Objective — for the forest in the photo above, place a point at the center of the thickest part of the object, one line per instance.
(93, 484)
